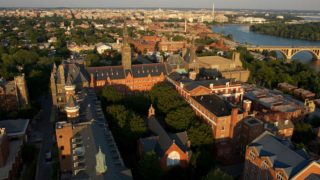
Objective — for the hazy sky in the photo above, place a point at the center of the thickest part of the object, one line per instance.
(244, 4)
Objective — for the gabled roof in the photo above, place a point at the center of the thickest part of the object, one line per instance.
(281, 156)
(162, 141)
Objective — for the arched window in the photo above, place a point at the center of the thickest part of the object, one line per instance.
(173, 158)
(280, 176)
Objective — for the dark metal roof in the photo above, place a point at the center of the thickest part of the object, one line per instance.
(280, 154)
(105, 72)
(144, 70)
(215, 104)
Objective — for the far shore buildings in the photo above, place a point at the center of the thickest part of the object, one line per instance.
(14, 94)
(268, 157)
(172, 149)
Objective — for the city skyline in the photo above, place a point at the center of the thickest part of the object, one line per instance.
(219, 4)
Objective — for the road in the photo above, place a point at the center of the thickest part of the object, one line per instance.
(45, 127)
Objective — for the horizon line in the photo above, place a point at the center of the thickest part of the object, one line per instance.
(173, 8)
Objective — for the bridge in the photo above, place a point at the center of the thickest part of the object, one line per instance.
(287, 51)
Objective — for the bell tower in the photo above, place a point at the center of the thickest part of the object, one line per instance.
(126, 50)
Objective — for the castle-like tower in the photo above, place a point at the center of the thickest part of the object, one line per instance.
(193, 64)
(22, 90)
(126, 50)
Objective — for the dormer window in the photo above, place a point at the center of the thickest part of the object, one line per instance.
(280, 176)
(252, 155)
(265, 164)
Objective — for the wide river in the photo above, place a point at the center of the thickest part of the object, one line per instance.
(242, 35)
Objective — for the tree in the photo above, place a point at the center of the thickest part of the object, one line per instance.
(215, 174)
(202, 161)
(165, 98)
(180, 118)
(149, 167)
(200, 135)
(137, 125)
(110, 94)
(303, 133)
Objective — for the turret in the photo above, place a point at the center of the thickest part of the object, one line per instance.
(22, 92)
(69, 88)
(53, 88)
(72, 108)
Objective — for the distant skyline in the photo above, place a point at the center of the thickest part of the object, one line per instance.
(220, 4)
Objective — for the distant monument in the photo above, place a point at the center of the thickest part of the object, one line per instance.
(213, 10)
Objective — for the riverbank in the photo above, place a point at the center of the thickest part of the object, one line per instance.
(242, 35)
(307, 31)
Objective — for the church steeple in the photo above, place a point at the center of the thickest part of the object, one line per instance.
(126, 49)
(151, 111)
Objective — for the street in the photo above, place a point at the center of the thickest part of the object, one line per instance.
(44, 127)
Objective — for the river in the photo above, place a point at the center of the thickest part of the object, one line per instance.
(242, 34)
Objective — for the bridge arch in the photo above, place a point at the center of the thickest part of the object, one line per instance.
(314, 55)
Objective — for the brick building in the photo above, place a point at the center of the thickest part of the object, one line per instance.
(127, 77)
(268, 157)
(87, 149)
(187, 87)
(225, 120)
(172, 149)
(12, 138)
(272, 106)
(14, 94)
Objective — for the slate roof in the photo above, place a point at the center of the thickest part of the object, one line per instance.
(105, 72)
(143, 70)
(77, 73)
(215, 104)
(281, 155)
(15, 127)
(117, 72)
(162, 141)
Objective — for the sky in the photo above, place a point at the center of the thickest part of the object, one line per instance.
(235, 4)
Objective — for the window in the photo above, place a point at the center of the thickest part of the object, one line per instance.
(265, 164)
(280, 176)
(252, 154)
(60, 136)
(62, 148)
(222, 128)
(173, 159)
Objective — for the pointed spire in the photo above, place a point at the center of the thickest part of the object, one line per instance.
(151, 111)
(193, 55)
(125, 33)
(72, 103)
(54, 68)
(69, 80)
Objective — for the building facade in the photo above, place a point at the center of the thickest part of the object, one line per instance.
(268, 157)
(172, 149)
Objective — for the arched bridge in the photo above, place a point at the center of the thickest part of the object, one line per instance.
(288, 52)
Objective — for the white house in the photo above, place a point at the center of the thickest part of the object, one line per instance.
(101, 47)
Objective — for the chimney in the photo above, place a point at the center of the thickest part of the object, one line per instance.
(192, 75)
(92, 80)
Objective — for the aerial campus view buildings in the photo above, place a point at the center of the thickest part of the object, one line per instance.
(155, 93)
